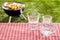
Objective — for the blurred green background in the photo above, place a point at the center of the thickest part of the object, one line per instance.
(45, 7)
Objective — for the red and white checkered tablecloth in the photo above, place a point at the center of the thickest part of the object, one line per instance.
(20, 31)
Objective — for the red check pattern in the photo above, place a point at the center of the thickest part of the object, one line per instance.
(20, 31)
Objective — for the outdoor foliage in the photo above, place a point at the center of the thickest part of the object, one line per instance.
(51, 7)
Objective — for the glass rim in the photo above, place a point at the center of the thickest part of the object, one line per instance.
(47, 16)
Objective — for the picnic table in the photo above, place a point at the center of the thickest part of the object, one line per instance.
(20, 31)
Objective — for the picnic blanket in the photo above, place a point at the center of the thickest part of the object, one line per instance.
(20, 31)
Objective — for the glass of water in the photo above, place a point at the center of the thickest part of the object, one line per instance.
(47, 27)
(33, 19)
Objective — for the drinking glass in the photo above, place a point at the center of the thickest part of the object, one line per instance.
(47, 27)
(33, 20)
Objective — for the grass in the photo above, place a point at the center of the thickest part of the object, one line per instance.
(51, 7)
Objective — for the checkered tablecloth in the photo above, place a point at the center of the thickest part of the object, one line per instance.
(20, 31)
